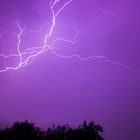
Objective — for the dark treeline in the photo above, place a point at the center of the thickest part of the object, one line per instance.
(28, 131)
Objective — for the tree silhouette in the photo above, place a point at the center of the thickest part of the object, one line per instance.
(28, 131)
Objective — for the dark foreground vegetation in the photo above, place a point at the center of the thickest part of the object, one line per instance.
(28, 131)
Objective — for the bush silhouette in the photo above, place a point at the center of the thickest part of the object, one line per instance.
(28, 131)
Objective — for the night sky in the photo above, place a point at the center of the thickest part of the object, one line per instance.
(66, 61)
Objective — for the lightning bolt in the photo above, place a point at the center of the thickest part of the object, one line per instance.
(35, 51)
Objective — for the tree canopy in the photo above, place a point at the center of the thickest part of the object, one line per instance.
(28, 131)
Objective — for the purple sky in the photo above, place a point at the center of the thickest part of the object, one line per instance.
(89, 68)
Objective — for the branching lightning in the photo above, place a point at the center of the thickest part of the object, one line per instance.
(35, 51)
